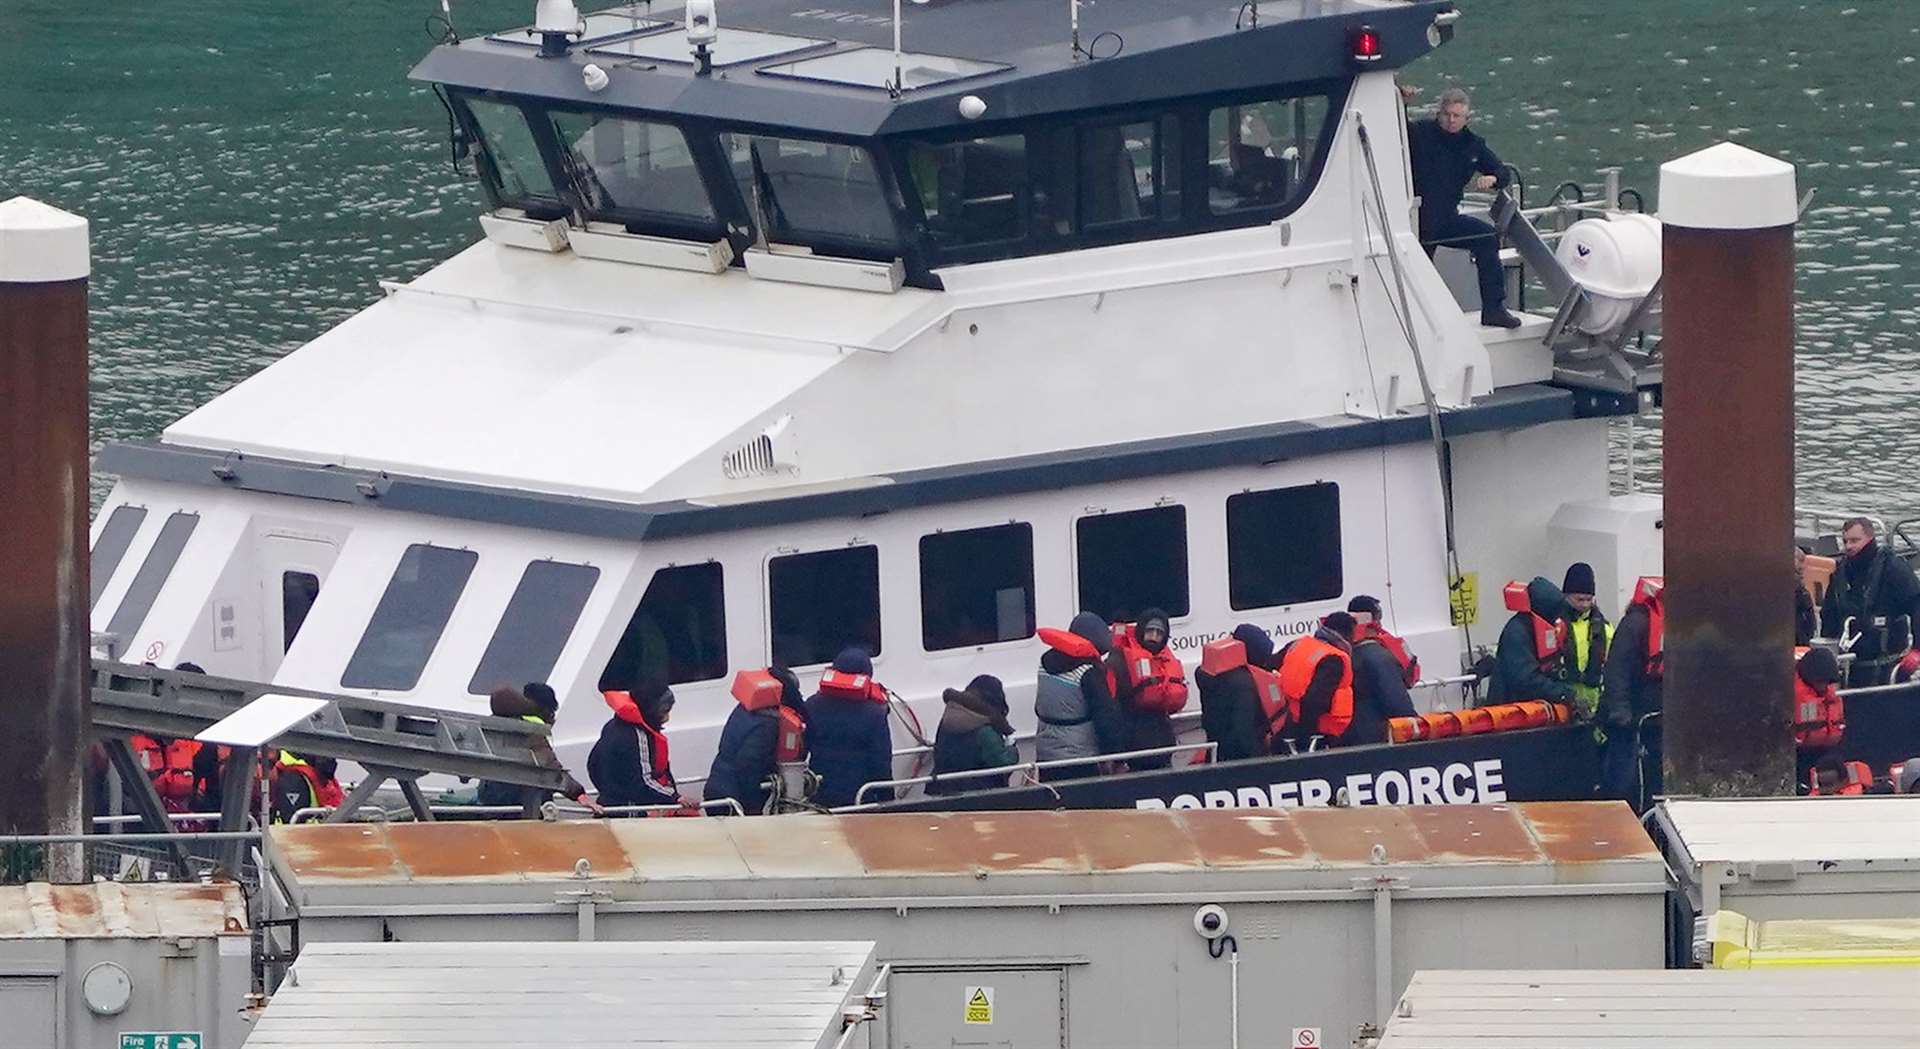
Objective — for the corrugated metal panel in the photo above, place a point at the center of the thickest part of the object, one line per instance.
(118, 910)
(575, 995)
(1756, 830)
(967, 844)
(1656, 1009)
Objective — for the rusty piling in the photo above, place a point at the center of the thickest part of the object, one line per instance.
(44, 703)
(1727, 245)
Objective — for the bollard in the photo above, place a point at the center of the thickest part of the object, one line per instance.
(44, 263)
(1727, 246)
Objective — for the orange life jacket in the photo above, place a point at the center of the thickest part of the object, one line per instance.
(1858, 778)
(1819, 718)
(852, 686)
(1153, 682)
(1068, 643)
(791, 743)
(1409, 663)
(1296, 675)
(169, 767)
(1647, 594)
(1547, 636)
(758, 690)
(1219, 656)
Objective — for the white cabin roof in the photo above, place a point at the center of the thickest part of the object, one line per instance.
(744, 995)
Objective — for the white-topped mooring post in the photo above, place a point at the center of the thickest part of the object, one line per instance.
(44, 699)
(1727, 244)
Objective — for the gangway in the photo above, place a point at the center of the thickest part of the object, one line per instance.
(393, 742)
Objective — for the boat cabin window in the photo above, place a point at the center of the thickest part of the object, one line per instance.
(1262, 154)
(108, 551)
(976, 586)
(153, 574)
(539, 619)
(972, 192)
(510, 159)
(821, 602)
(407, 623)
(635, 172)
(678, 634)
(824, 195)
(298, 591)
(1129, 172)
(1283, 546)
(1130, 562)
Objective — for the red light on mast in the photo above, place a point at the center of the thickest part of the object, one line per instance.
(1365, 45)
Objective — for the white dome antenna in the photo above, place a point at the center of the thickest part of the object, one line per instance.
(555, 21)
(703, 29)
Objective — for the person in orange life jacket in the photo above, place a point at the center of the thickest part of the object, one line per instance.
(1316, 674)
(973, 735)
(169, 764)
(1833, 777)
(849, 740)
(302, 782)
(1073, 698)
(1632, 688)
(1370, 624)
(1150, 686)
(1231, 713)
(1379, 675)
(1818, 712)
(629, 764)
(750, 744)
(536, 703)
(1521, 670)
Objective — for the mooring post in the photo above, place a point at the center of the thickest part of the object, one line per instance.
(1728, 215)
(44, 703)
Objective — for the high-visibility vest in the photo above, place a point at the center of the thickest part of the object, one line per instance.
(1296, 676)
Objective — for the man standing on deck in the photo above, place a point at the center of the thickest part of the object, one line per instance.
(1878, 592)
(1584, 658)
(1447, 159)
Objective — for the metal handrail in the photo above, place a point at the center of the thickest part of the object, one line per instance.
(172, 817)
(870, 1006)
(1031, 767)
(323, 811)
(640, 810)
(144, 839)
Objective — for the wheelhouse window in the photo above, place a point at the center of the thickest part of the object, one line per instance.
(822, 602)
(298, 592)
(153, 573)
(412, 614)
(976, 586)
(539, 619)
(111, 548)
(510, 158)
(1263, 154)
(635, 172)
(1283, 546)
(822, 195)
(972, 192)
(679, 632)
(1129, 172)
(1130, 562)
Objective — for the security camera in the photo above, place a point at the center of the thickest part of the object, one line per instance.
(1210, 921)
(703, 22)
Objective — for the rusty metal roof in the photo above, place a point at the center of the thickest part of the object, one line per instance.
(121, 910)
(974, 844)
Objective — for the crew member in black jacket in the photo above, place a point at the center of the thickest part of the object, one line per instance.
(1446, 159)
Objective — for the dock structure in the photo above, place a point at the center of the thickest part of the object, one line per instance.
(44, 265)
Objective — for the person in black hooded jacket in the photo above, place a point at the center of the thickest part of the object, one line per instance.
(1231, 713)
(1148, 727)
(745, 758)
(1518, 674)
(849, 740)
(629, 764)
(973, 735)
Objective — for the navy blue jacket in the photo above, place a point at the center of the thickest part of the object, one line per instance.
(744, 759)
(1443, 163)
(1379, 693)
(849, 746)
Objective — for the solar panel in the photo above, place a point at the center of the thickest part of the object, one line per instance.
(874, 67)
(600, 27)
(733, 47)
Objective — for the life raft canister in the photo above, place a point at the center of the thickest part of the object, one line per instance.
(1548, 637)
(1296, 676)
(1157, 681)
(1647, 591)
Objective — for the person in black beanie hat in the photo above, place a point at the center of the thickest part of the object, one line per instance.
(1583, 659)
(629, 765)
(973, 735)
(1231, 713)
(849, 742)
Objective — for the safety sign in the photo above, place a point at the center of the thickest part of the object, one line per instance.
(1464, 599)
(1306, 1038)
(161, 1040)
(979, 1005)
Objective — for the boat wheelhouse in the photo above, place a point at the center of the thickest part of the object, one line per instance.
(779, 339)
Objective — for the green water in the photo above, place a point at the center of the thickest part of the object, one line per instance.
(252, 169)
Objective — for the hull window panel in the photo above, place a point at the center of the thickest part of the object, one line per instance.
(1132, 561)
(1283, 546)
(822, 195)
(678, 634)
(539, 619)
(132, 613)
(511, 160)
(976, 587)
(412, 614)
(115, 536)
(973, 192)
(298, 591)
(823, 602)
(1263, 154)
(635, 171)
